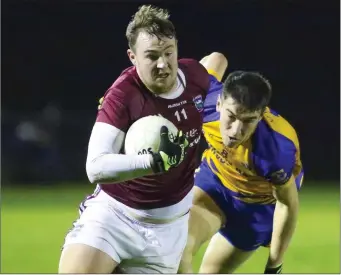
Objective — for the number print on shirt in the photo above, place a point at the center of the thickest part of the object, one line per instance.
(181, 115)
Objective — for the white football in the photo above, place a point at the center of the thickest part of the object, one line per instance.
(143, 136)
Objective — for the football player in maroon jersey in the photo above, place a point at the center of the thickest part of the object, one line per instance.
(137, 218)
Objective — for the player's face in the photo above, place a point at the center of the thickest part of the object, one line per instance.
(236, 123)
(156, 62)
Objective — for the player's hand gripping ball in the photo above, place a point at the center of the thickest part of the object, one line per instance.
(158, 136)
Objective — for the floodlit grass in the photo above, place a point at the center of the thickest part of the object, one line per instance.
(34, 221)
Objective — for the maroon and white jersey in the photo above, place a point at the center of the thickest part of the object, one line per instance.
(128, 100)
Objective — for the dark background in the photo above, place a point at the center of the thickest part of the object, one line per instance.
(58, 60)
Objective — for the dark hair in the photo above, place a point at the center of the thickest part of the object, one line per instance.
(152, 20)
(250, 89)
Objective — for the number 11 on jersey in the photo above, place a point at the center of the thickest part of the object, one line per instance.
(181, 115)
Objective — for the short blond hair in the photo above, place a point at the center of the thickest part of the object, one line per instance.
(151, 19)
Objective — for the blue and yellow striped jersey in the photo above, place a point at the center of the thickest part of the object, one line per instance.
(269, 157)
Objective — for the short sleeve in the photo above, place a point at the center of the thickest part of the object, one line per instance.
(273, 155)
(210, 106)
(114, 110)
(282, 169)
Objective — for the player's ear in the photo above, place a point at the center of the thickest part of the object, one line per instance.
(131, 56)
(218, 106)
(261, 115)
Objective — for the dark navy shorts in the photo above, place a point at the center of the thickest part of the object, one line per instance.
(248, 225)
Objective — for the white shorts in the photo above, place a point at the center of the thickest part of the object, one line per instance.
(137, 247)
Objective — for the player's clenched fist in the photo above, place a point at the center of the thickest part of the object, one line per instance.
(171, 153)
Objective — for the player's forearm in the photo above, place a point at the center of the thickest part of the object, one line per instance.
(285, 220)
(115, 168)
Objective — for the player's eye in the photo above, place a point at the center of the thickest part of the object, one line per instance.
(169, 54)
(248, 121)
(152, 57)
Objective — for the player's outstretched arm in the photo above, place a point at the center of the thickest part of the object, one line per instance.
(284, 224)
(216, 64)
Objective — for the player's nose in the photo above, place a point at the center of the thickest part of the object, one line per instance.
(236, 128)
(161, 63)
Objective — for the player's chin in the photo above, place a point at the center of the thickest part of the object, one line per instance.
(158, 89)
(161, 87)
(230, 144)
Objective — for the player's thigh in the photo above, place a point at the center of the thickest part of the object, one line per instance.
(81, 258)
(247, 227)
(222, 257)
(99, 234)
(206, 216)
(89, 243)
(205, 220)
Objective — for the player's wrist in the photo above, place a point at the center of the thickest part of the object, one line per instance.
(157, 163)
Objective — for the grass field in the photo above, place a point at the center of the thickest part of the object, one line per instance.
(34, 221)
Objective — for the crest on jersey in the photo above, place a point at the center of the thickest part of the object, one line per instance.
(199, 103)
(279, 177)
